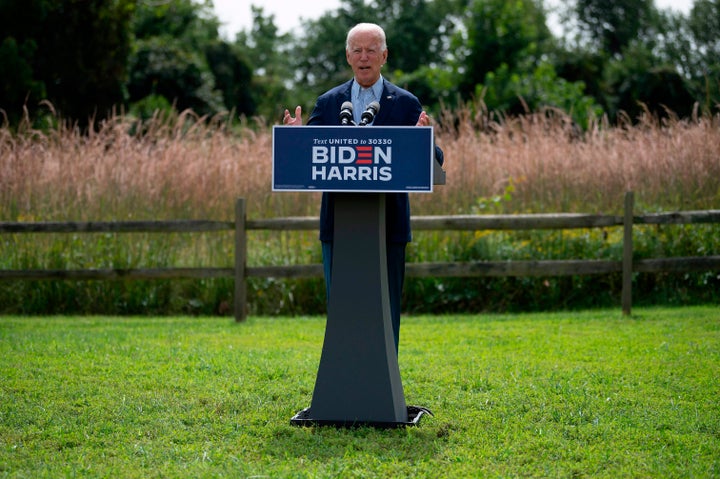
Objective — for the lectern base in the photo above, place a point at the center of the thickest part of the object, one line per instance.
(304, 418)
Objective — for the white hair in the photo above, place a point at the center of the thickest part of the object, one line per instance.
(367, 27)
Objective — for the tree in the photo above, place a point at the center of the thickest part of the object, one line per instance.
(193, 23)
(704, 23)
(19, 87)
(179, 56)
(417, 31)
(268, 52)
(418, 35)
(500, 34)
(168, 60)
(233, 76)
(613, 24)
(506, 56)
(581, 65)
(162, 67)
(633, 57)
(419, 38)
(638, 83)
(321, 62)
(72, 53)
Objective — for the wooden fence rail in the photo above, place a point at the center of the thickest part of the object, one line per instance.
(240, 271)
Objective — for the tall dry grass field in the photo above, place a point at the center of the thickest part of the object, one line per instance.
(553, 168)
(184, 169)
(178, 169)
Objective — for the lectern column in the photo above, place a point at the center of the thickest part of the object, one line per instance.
(358, 378)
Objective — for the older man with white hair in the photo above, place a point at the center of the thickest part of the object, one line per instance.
(367, 53)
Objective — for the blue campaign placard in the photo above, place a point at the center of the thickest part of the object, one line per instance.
(382, 159)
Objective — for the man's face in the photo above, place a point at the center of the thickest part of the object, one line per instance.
(365, 57)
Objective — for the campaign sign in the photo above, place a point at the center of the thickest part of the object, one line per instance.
(382, 159)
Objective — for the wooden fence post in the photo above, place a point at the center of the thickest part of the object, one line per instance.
(240, 261)
(627, 261)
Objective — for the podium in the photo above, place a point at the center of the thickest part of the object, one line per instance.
(358, 381)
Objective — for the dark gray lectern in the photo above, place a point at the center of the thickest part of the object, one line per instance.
(358, 380)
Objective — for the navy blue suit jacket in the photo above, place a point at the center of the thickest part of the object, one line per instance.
(398, 107)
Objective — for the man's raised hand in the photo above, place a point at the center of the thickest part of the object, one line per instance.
(293, 121)
(424, 119)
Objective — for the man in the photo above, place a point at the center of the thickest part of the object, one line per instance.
(366, 52)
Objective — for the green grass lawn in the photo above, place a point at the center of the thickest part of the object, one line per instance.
(590, 394)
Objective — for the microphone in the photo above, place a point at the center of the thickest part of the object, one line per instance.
(346, 114)
(369, 114)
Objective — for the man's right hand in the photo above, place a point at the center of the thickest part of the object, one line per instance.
(293, 121)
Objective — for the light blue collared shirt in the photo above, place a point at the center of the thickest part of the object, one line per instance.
(362, 97)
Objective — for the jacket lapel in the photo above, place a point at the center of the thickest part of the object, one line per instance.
(344, 95)
(387, 102)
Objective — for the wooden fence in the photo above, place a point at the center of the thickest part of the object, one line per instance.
(240, 272)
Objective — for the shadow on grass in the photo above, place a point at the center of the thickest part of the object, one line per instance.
(324, 444)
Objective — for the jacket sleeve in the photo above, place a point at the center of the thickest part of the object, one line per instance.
(317, 114)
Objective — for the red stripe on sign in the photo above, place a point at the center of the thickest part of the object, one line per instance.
(364, 155)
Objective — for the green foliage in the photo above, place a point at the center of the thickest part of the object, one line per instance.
(21, 88)
(162, 67)
(83, 59)
(438, 295)
(319, 61)
(587, 394)
(581, 66)
(233, 76)
(704, 24)
(180, 57)
(152, 106)
(646, 61)
(434, 86)
(500, 35)
(418, 33)
(270, 55)
(190, 22)
(637, 84)
(73, 54)
(122, 297)
(541, 89)
(520, 294)
(615, 24)
(297, 297)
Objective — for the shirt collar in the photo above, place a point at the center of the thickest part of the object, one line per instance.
(360, 102)
(377, 89)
